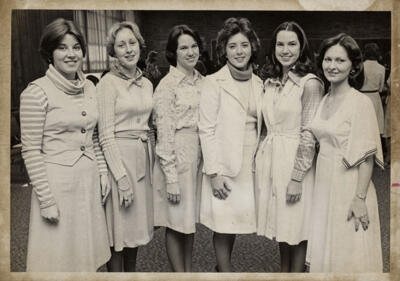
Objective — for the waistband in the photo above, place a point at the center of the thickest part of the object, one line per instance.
(369, 91)
(187, 130)
(132, 134)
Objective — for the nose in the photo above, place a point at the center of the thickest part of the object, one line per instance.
(129, 48)
(239, 50)
(71, 52)
(190, 51)
(332, 64)
(285, 49)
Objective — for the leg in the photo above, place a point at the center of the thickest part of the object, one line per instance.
(298, 257)
(115, 262)
(174, 243)
(284, 250)
(223, 246)
(189, 239)
(130, 255)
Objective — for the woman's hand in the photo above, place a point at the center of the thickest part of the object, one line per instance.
(358, 211)
(293, 192)
(105, 188)
(125, 192)
(173, 193)
(51, 213)
(220, 186)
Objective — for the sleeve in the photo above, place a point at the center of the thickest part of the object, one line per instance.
(106, 96)
(101, 162)
(165, 120)
(208, 111)
(312, 95)
(364, 139)
(33, 115)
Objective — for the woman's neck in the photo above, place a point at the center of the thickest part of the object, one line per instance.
(188, 72)
(131, 72)
(340, 89)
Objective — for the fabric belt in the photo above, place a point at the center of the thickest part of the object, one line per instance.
(369, 91)
(140, 137)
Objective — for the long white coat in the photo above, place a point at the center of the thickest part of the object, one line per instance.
(222, 123)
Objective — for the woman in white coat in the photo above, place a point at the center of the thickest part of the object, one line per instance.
(229, 128)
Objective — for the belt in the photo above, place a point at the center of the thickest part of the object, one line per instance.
(140, 137)
(369, 91)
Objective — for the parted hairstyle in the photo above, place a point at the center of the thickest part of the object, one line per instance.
(172, 44)
(115, 28)
(356, 76)
(371, 51)
(233, 26)
(304, 64)
(54, 33)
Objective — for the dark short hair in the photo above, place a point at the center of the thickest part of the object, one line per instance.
(356, 77)
(54, 33)
(304, 64)
(371, 51)
(233, 26)
(115, 28)
(172, 44)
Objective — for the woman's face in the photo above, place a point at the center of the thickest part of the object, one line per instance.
(336, 64)
(287, 48)
(127, 48)
(67, 57)
(187, 52)
(238, 51)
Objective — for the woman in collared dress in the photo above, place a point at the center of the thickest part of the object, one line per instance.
(67, 227)
(125, 105)
(284, 162)
(229, 126)
(177, 173)
(345, 233)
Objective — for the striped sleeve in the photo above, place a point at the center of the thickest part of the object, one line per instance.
(106, 97)
(33, 115)
(101, 162)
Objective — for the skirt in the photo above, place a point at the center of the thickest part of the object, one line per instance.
(180, 217)
(237, 213)
(133, 226)
(78, 242)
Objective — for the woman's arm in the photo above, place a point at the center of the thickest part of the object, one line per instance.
(312, 95)
(33, 115)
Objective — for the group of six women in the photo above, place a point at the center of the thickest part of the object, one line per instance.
(233, 152)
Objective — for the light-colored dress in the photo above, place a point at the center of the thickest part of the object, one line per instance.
(176, 113)
(125, 105)
(374, 80)
(64, 162)
(346, 139)
(237, 213)
(286, 153)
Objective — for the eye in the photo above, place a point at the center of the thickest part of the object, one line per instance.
(77, 47)
(61, 47)
(183, 48)
(195, 46)
(293, 43)
(279, 44)
(327, 59)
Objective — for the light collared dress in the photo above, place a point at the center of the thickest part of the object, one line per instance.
(346, 139)
(286, 154)
(125, 106)
(176, 114)
(64, 162)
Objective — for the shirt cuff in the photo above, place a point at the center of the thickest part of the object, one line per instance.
(48, 203)
(123, 183)
(298, 175)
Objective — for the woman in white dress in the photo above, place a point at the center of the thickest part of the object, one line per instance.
(229, 128)
(284, 161)
(177, 173)
(345, 234)
(125, 106)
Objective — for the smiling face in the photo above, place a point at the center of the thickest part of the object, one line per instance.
(238, 51)
(336, 64)
(287, 48)
(127, 48)
(67, 57)
(187, 53)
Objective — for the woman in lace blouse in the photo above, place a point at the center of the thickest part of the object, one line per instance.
(177, 173)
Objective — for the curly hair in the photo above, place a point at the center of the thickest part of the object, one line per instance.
(356, 77)
(233, 26)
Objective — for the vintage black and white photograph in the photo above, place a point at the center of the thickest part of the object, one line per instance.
(200, 141)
